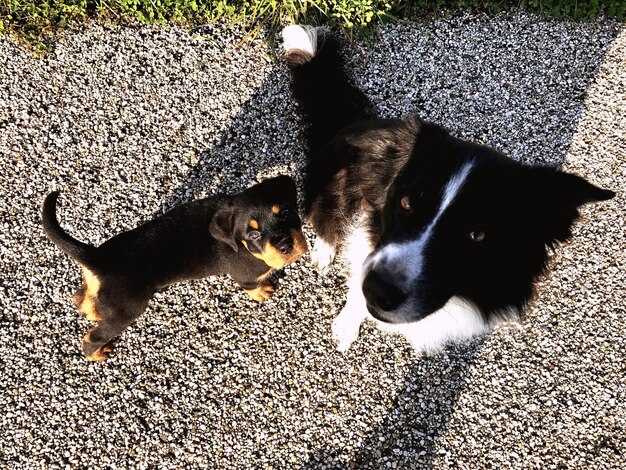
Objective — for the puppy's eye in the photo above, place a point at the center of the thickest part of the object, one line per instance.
(405, 202)
(254, 235)
(477, 235)
(285, 213)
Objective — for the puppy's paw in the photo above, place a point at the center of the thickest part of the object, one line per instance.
(101, 355)
(345, 330)
(261, 293)
(322, 255)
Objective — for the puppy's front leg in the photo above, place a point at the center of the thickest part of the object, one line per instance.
(258, 290)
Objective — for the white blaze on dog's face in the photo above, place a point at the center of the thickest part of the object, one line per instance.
(395, 281)
(470, 226)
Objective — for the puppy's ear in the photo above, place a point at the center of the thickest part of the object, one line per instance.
(222, 226)
(559, 196)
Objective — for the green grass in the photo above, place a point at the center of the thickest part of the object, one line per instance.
(39, 21)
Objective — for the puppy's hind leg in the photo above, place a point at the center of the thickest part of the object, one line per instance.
(86, 297)
(96, 343)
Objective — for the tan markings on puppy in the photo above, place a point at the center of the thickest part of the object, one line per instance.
(88, 308)
(275, 209)
(87, 298)
(275, 259)
(254, 225)
(91, 281)
(79, 296)
(100, 354)
(271, 256)
(261, 293)
(87, 337)
(299, 243)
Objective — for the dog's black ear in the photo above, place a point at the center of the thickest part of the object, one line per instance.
(222, 226)
(559, 196)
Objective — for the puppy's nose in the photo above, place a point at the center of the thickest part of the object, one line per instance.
(382, 293)
(285, 245)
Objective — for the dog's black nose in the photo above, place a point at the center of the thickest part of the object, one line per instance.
(285, 245)
(381, 293)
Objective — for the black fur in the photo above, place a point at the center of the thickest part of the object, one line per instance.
(207, 237)
(487, 248)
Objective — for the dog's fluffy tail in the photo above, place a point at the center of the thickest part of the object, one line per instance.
(327, 97)
(80, 252)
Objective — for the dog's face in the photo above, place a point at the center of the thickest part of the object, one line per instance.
(264, 219)
(469, 224)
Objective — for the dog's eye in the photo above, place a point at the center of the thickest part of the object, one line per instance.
(477, 236)
(285, 213)
(254, 235)
(405, 202)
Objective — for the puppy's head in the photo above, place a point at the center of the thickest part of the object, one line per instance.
(264, 220)
(464, 221)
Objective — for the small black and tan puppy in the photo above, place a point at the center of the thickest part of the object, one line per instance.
(246, 235)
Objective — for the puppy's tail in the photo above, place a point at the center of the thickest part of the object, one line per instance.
(80, 252)
(327, 97)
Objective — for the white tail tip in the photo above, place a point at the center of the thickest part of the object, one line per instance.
(300, 41)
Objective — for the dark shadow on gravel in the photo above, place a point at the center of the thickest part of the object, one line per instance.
(251, 144)
(422, 409)
(420, 414)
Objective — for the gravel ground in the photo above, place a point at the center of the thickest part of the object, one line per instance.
(130, 121)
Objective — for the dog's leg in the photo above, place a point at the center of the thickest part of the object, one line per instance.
(262, 292)
(96, 343)
(328, 218)
(260, 289)
(322, 255)
(347, 324)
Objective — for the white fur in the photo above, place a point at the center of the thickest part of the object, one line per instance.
(303, 38)
(346, 326)
(322, 255)
(408, 256)
(456, 321)
(357, 246)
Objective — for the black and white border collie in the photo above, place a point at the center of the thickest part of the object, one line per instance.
(444, 238)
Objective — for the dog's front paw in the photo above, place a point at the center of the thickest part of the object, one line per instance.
(322, 255)
(261, 293)
(345, 330)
